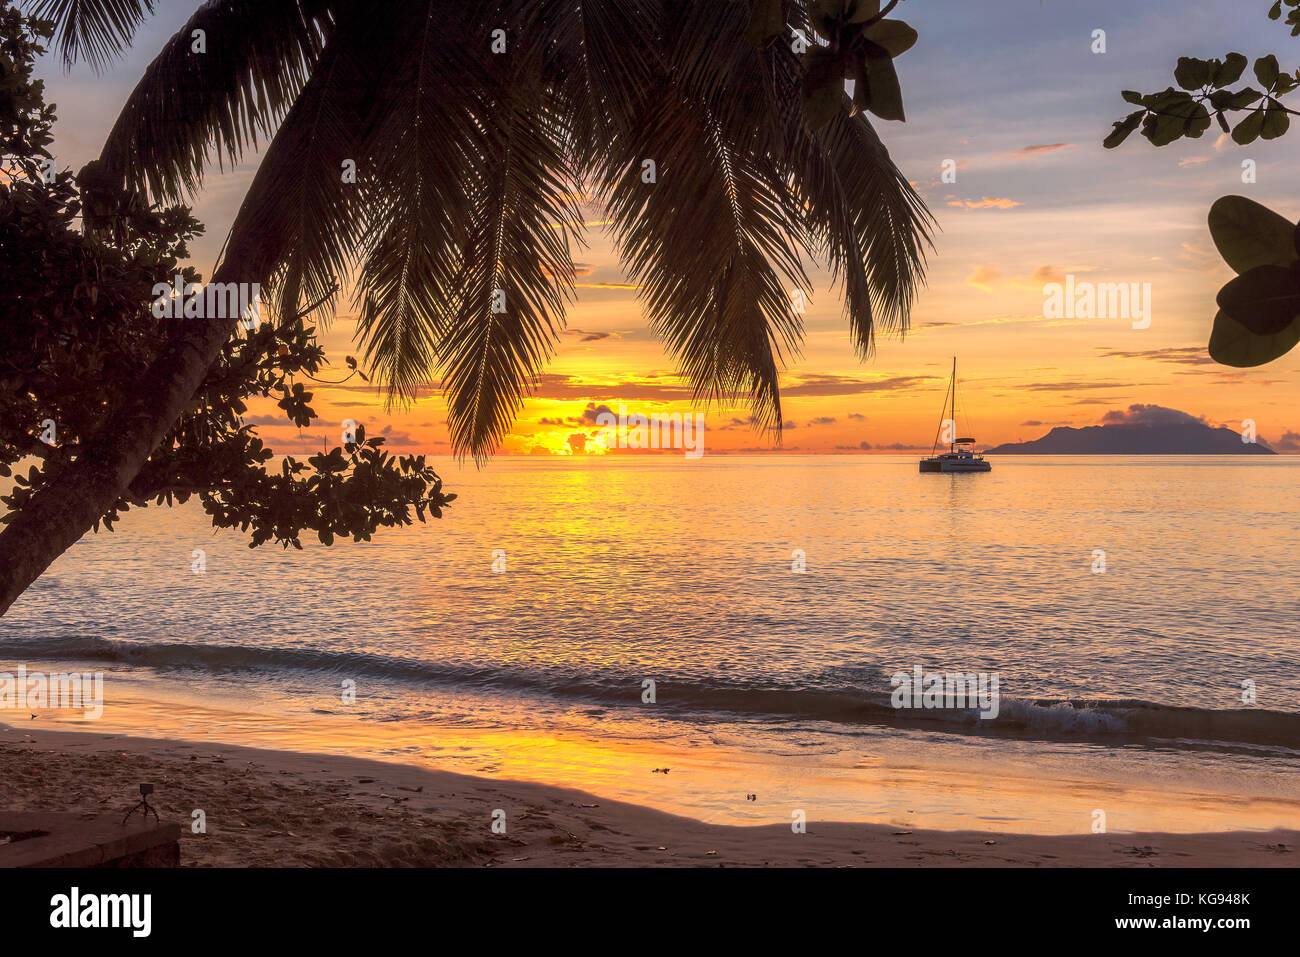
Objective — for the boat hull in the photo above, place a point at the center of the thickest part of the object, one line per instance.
(952, 466)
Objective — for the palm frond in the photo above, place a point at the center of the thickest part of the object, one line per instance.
(421, 151)
(298, 224)
(716, 243)
(258, 55)
(94, 30)
(524, 217)
(871, 224)
(598, 57)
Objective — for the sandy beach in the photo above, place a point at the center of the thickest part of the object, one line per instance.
(279, 808)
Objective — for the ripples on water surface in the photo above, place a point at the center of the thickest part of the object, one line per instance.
(623, 569)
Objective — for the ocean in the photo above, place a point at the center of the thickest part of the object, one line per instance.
(590, 621)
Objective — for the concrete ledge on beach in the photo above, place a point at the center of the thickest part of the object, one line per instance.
(44, 839)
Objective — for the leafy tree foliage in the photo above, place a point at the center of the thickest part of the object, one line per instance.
(859, 43)
(78, 325)
(1258, 319)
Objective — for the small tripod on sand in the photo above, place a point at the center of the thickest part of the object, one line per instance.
(144, 807)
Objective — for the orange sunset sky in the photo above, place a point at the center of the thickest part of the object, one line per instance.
(1013, 94)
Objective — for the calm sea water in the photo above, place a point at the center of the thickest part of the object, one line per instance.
(621, 570)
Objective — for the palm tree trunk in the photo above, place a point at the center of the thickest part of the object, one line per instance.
(59, 515)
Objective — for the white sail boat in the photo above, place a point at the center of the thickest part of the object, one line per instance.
(961, 456)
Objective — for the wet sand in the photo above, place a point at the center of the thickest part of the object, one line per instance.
(282, 808)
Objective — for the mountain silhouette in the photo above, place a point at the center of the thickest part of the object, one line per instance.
(1141, 430)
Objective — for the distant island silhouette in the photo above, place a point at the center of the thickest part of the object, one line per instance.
(1141, 430)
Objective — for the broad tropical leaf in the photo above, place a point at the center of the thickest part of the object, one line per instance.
(1265, 300)
(1249, 234)
(1232, 344)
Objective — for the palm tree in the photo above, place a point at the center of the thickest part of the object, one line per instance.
(476, 129)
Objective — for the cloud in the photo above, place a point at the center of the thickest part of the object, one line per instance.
(394, 437)
(844, 385)
(860, 447)
(582, 336)
(985, 202)
(1187, 161)
(1199, 258)
(1040, 148)
(999, 321)
(590, 413)
(1034, 280)
(1076, 385)
(550, 421)
(982, 277)
(578, 442)
(934, 181)
(553, 385)
(1290, 442)
(1148, 415)
(1182, 355)
(857, 417)
(823, 420)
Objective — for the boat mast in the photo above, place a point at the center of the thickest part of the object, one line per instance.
(950, 392)
(952, 447)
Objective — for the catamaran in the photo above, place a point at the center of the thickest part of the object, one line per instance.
(961, 456)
